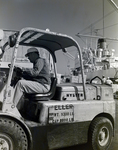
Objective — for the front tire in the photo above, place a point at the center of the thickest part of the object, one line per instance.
(12, 135)
(101, 133)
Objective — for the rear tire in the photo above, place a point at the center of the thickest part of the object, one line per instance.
(101, 133)
(12, 135)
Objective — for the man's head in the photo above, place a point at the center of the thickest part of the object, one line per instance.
(32, 54)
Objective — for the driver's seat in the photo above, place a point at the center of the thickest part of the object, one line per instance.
(44, 96)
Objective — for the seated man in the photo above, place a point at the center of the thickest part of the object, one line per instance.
(37, 79)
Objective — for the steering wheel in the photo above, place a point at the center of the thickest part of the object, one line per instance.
(17, 76)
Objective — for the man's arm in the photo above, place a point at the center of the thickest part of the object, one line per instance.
(35, 70)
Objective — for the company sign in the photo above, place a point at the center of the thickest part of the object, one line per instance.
(61, 114)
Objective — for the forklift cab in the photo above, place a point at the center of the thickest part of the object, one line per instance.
(48, 43)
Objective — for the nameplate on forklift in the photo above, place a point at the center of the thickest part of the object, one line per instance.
(61, 114)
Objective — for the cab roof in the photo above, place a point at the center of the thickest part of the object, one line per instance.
(46, 39)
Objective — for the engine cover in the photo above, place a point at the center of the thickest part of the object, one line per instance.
(73, 91)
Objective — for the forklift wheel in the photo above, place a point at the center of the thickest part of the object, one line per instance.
(12, 135)
(101, 133)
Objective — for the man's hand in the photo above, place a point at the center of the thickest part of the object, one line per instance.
(18, 70)
(17, 66)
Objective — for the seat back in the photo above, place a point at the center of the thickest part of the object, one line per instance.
(44, 96)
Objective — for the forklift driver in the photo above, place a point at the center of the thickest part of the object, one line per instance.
(36, 79)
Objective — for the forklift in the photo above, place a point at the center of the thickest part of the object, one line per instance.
(69, 114)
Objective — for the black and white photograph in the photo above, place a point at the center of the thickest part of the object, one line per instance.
(58, 75)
